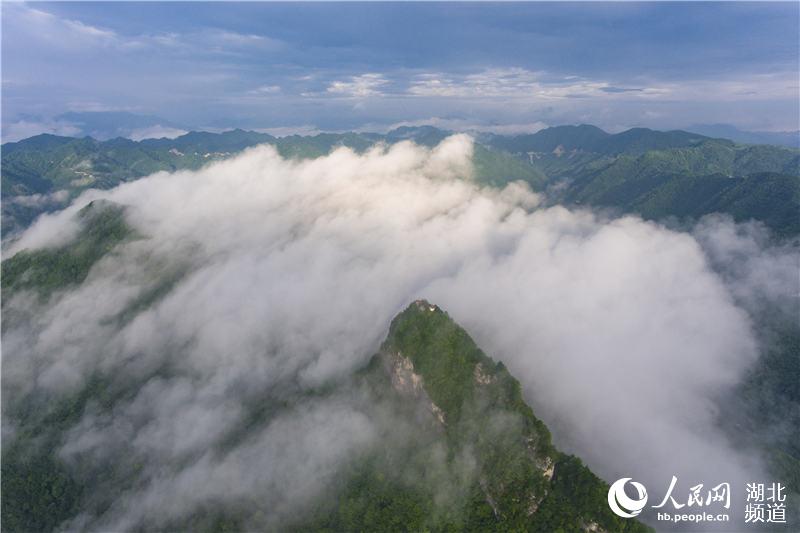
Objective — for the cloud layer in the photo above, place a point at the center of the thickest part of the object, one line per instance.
(275, 277)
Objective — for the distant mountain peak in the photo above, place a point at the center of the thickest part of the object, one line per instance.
(728, 131)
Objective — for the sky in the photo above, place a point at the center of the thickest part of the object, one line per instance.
(288, 68)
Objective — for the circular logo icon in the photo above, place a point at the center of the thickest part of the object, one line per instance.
(621, 504)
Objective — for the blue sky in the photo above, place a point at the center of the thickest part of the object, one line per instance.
(307, 67)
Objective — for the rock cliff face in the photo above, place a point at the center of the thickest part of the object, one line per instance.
(408, 383)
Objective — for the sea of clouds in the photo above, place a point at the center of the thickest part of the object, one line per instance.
(279, 275)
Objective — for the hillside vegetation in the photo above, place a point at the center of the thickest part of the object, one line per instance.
(655, 174)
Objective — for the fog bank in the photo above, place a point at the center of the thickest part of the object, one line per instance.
(278, 275)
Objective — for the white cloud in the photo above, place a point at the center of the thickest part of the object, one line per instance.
(22, 129)
(50, 28)
(242, 39)
(40, 200)
(265, 90)
(734, 88)
(40, 27)
(521, 83)
(90, 31)
(156, 132)
(289, 273)
(361, 86)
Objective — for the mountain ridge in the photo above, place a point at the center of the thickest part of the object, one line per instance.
(590, 132)
(573, 164)
(523, 483)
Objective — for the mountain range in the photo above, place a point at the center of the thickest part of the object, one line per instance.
(783, 138)
(652, 173)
